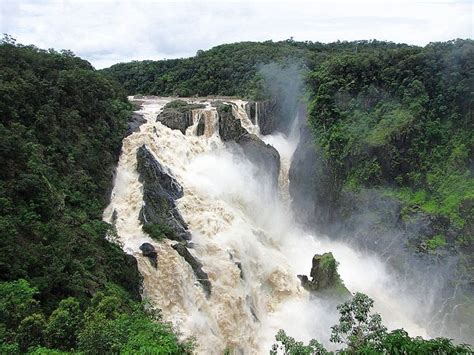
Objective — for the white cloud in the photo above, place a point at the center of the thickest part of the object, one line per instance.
(107, 31)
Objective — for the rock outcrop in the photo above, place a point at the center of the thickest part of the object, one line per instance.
(264, 114)
(309, 194)
(230, 127)
(177, 114)
(201, 127)
(196, 265)
(149, 251)
(134, 123)
(265, 157)
(324, 277)
(160, 190)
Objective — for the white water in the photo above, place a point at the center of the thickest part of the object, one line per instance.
(233, 217)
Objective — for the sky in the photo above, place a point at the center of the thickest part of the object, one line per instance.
(106, 32)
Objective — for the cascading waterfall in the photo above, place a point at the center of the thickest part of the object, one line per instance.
(244, 236)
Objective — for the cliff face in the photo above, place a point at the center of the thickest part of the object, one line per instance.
(61, 140)
(391, 171)
(266, 114)
(413, 242)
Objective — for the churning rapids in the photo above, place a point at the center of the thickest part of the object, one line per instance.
(234, 217)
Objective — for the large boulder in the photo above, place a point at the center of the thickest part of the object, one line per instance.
(177, 114)
(201, 127)
(230, 127)
(324, 277)
(264, 114)
(265, 157)
(134, 123)
(149, 251)
(196, 265)
(160, 190)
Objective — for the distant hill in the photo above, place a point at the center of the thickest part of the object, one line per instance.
(228, 69)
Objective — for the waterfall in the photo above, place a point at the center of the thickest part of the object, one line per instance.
(246, 239)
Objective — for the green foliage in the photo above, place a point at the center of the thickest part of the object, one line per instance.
(436, 242)
(30, 332)
(111, 323)
(16, 303)
(158, 231)
(357, 327)
(362, 332)
(328, 263)
(228, 69)
(399, 342)
(63, 324)
(61, 127)
(289, 346)
(399, 119)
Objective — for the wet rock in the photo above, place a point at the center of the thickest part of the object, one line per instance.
(151, 171)
(149, 251)
(114, 217)
(251, 305)
(239, 265)
(177, 114)
(201, 127)
(324, 277)
(160, 190)
(230, 128)
(134, 123)
(201, 276)
(265, 157)
(265, 114)
(310, 200)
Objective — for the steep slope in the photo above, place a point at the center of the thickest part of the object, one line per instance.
(63, 284)
(389, 165)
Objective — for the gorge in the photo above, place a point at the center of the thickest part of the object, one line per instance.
(238, 198)
(243, 234)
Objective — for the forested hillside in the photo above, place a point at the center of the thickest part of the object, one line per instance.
(63, 285)
(228, 69)
(394, 131)
(402, 120)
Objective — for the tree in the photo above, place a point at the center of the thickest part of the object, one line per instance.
(16, 303)
(357, 326)
(64, 324)
(289, 346)
(363, 333)
(31, 332)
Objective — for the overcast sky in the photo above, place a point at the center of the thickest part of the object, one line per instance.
(106, 32)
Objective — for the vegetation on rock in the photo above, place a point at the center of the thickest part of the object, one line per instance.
(325, 279)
